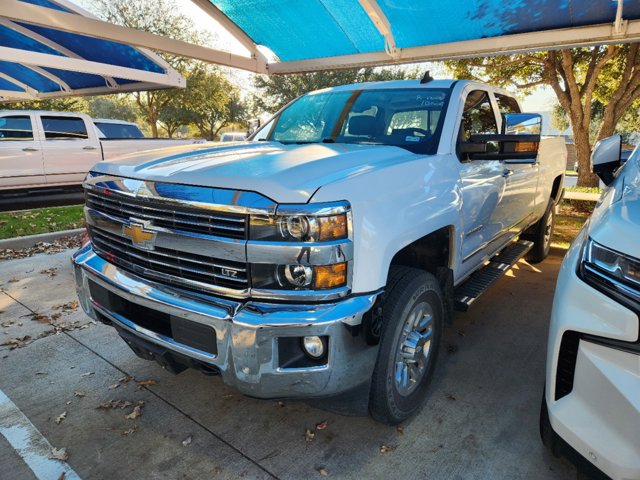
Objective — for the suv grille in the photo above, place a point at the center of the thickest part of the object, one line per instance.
(169, 266)
(169, 215)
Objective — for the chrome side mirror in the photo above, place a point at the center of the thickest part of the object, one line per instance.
(605, 158)
(521, 124)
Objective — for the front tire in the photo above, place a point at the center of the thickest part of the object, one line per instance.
(541, 235)
(411, 333)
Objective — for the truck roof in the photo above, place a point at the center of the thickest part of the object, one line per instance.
(448, 83)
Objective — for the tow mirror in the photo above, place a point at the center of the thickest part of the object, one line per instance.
(518, 142)
(605, 158)
(252, 126)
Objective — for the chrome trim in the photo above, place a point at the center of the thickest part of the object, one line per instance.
(284, 253)
(205, 198)
(301, 295)
(190, 242)
(314, 209)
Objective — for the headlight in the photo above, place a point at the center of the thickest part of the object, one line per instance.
(614, 273)
(302, 223)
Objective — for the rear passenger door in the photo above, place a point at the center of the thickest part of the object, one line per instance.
(20, 152)
(522, 176)
(70, 148)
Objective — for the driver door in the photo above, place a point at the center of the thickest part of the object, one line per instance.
(484, 185)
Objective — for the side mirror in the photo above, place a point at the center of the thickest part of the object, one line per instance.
(518, 142)
(605, 159)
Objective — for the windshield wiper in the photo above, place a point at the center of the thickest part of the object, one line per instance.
(306, 142)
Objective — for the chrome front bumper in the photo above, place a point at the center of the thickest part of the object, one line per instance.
(247, 334)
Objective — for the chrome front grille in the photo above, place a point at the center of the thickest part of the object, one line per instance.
(170, 215)
(182, 269)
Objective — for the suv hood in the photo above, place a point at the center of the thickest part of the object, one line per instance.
(615, 222)
(284, 173)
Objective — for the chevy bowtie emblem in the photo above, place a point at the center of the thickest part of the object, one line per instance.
(139, 234)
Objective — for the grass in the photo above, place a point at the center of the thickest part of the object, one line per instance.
(597, 190)
(569, 221)
(570, 172)
(40, 220)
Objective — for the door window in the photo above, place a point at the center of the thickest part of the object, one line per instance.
(16, 128)
(64, 128)
(507, 104)
(478, 116)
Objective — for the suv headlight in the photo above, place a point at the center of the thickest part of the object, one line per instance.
(613, 273)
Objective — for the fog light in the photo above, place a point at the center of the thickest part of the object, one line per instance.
(313, 346)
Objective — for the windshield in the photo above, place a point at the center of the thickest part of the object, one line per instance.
(407, 118)
(119, 130)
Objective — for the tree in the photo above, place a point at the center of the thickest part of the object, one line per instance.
(278, 90)
(579, 76)
(159, 17)
(112, 106)
(70, 104)
(213, 101)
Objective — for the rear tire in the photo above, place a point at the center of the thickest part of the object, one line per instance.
(411, 332)
(541, 235)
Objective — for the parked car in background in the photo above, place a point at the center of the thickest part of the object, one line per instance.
(45, 149)
(119, 129)
(324, 257)
(233, 137)
(591, 407)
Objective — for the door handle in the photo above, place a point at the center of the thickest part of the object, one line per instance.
(89, 147)
(507, 172)
(29, 149)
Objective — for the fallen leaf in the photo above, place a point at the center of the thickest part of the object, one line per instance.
(136, 412)
(14, 280)
(130, 431)
(187, 441)
(114, 386)
(42, 373)
(111, 404)
(387, 448)
(323, 472)
(8, 323)
(52, 272)
(80, 394)
(400, 430)
(60, 418)
(72, 305)
(87, 374)
(321, 425)
(59, 454)
(451, 396)
(281, 404)
(39, 317)
(69, 402)
(18, 342)
(126, 379)
(308, 435)
(146, 383)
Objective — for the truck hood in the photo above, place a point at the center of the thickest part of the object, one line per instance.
(284, 173)
(616, 219)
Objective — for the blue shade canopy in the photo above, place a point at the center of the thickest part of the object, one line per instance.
(37, 65)
(310, 30)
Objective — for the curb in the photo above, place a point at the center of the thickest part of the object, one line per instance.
(17, 243)
(589, 197)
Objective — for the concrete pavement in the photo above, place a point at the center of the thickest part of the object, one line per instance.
(480, 421)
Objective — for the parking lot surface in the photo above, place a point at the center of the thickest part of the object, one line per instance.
(480, 420)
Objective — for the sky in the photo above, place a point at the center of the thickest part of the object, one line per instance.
(542, 99)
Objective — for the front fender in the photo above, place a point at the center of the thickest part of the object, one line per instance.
(393, 207)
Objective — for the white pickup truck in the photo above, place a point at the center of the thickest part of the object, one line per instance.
(47, 149)
(322, 258)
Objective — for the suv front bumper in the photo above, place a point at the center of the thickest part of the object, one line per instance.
(598, 412)
(248, 336)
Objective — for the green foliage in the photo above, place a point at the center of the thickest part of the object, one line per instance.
(118, 107)
(278, 90)
(71, 104)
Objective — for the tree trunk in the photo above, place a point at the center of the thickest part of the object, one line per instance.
(583, 153)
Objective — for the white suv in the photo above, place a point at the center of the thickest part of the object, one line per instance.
(592, 396)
